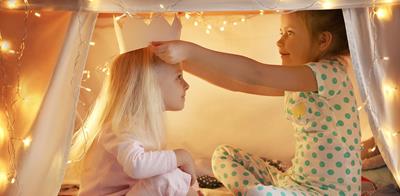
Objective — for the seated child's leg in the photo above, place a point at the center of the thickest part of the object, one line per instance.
(239, 170)
(272, 191)
(174, 183)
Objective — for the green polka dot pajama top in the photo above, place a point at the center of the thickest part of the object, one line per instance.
(327, 159)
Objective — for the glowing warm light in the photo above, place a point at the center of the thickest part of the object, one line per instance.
(119, 17)
(86, 73)
(234, 23)
(222, 28)
(389, 90)
(196, 23)
(3, 178)
(225, 22)
(243, 19)
(362, 106)
(327, 4)
(37, 14)
(5, 46)
(92, 43)
(2, 132)
(372, 149)
(209, 27)
(27, 141)
(11, 4)
(385, 58)
(12, 180)
(86, 89)
(208, 31)
(69, 161)
(261, 12)
(161, 6)
(383, 13)
(277, 11)
(187, 16)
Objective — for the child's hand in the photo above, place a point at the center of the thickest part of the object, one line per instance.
(172, 52)
(185, 162)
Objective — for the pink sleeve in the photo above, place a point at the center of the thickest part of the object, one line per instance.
(135, 162)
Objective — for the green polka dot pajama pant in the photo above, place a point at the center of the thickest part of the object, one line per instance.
(245, 174)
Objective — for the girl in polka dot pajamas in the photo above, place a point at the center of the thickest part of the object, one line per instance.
(319, 102)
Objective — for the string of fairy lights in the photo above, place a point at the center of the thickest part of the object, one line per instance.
(9, 101)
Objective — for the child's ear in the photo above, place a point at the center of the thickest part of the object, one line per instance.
(325, 40)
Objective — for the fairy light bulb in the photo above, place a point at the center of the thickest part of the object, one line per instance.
(208, 31)
(11, 4)
(187, 16)
(327, 4)
(235, 23)
(3, 177)
(92, 43)
(12, 181)
(86, 89)
(2, 134)
(37, 14)
(4, 46)
(389, 90)
(222, 28)
(383, 13)
(209, 27)
(225, 22)
(162, 6)
(261, 12)
(243, 19)
(27, 141)
(196, 23)
(372, 149)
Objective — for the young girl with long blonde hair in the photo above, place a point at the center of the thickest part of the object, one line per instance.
(124, 134)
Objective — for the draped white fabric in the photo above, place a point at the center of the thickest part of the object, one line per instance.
(112, 6)
(375, 54)
(41, 167)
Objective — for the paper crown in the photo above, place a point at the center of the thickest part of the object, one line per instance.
(133, 33)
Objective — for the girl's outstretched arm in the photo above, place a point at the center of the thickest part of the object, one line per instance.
(236, 72)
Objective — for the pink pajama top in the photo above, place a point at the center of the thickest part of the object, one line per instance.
(115, 164)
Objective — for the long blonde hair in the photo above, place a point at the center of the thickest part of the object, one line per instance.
(129, 102)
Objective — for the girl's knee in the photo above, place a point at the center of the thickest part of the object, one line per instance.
(221, 153)
(223, 150)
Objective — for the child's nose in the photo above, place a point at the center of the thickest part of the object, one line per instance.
(185, 85)
(279, 43)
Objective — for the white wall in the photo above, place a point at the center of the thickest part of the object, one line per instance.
(213, 115)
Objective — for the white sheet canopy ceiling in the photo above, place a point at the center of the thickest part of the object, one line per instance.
(43, 155)
(118, 6)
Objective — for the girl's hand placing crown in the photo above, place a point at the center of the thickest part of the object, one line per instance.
(172, 52)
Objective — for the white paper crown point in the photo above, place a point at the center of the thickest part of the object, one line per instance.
(133, 33)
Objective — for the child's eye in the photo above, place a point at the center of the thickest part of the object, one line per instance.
(290, 33)
(180, 76)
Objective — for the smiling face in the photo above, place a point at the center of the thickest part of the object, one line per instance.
(173, 86)
(295, 45)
